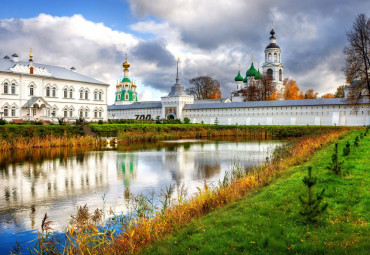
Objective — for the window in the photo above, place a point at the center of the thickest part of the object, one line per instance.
(275, 57)
(86, 114)
(81, 94)
(54, 92)
(47, 91)
(270, 58)
(280, 75)
(99, 95)
(70, 93)
(53, 112)
(100, 114)
(81, 113)
(6, 87)
(31, 90)
(65, 113)
(65, 93)
(13, 111)
(95, 95)
(95, 114)
(70, 113)
(6, 113)
(34, 112)
(126, 97)
(13, 88)
(86, 94)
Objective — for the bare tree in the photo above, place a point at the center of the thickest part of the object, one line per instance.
(204, 87)
(357, 57)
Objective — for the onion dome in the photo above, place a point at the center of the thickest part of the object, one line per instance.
(118, 85)
(252, 71)
(126, 65)
(258, 76)
(246, 78)
(126, 79)
(272, 44)
(239, 77)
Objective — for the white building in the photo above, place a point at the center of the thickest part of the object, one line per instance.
(31, 91)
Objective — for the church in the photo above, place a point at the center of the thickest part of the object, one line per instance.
(234, 110)
(38, 92)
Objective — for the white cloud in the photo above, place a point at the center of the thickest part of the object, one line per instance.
(146, 95)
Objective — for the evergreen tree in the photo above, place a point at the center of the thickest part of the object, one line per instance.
(312, 208)
(357, 139)
(335, 165)
(347, 149)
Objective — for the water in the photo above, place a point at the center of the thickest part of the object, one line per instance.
(56, 181)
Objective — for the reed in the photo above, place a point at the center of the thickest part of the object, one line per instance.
(89, 233)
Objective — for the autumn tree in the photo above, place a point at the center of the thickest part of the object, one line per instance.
(328, 95)
(291, 90)
(357, 54)
(261, 90)
(310, 94)
(204, 87)
(339, 93)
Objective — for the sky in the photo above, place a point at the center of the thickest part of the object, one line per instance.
(211, 37)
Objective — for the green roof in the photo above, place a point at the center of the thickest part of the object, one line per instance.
(126, 80)
(258, 76)
(239, 77)
(252, 71)
(246, 78)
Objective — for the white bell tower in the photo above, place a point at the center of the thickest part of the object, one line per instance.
(273, 66)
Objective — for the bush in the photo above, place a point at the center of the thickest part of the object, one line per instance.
(186, 120)
(61, 120)
(2, 122)
(356, 142)
(347, 149)
(335, 166)
(100, 122)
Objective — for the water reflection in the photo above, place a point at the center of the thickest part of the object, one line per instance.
(56, 181)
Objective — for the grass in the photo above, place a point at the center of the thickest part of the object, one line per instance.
(267, 221)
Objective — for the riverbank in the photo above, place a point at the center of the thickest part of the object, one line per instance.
(268, 219)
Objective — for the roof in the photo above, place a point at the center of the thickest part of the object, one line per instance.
(33, 100)
(137, 105)
(252, 71)
(57, 72)
(209, 101)
(278, 103)
(272, 46)
(239, 77)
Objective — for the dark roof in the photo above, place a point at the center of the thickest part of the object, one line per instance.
(15, 55)
(6, 57)
(278, 103)
(137, 105)
(272, 46)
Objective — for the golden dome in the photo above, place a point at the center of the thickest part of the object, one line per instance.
(126, 64)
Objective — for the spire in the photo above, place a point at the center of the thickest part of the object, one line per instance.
(126, 64)
(177, 72)
(272, 32)
(31, 61)
(252, 57)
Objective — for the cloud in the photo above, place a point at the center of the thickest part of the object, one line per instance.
(146, 95)
(153, 51)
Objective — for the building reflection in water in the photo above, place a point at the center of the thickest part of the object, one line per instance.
(56, 181)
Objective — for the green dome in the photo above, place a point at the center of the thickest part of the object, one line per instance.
(252, 71)
(245, 79)
(258, 76)
(126, 80)
(239, 77)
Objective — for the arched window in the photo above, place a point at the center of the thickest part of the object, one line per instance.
(86, 113)
(65, 93)
(86, 94)
(81, 94)
(126, 96)
(6, 88)
(31, 90)
(275, 57)
(13, 111)
(280, 75)
(70, 113)
(70, 93)
(100, 113)
(54, 112)
(81, 113)
(13, 88)
(95, 113)
(95, 95)
(100, 95)
(48, 91)
(270, 73)
(54, 92)
(6, 111)
(65, 113)
(270, 57)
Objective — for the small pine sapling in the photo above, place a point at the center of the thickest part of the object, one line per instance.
(347, 149)
(312, 207)
(335, 165)
(356, 142)
(362, 135)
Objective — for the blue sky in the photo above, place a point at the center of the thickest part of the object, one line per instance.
(211, 38)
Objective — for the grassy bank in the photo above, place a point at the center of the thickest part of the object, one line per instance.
(151, 132)
(268, 220)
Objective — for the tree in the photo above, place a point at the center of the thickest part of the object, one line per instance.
(328, 95)
(291, 90)
(335, 165)
(252, 93)
(310, 94)
(204, 87)
(261, 90)
(357, 54)
(340, 91)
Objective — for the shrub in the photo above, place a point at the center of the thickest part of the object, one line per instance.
(312, 208)
(347, 149)
(61, 120)
(80, 121)
(100, 122)
(356, 142)
(2, 122)
(335, 166)
(186, 120)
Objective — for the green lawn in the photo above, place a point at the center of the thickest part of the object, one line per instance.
(268, 221)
